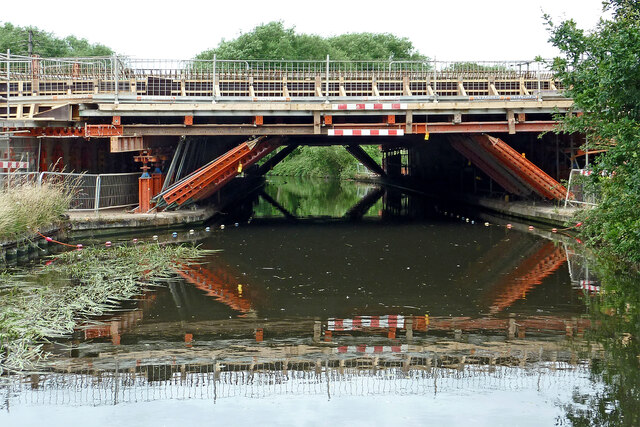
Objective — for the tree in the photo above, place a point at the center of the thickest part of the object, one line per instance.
(274, 41)
(46, 44)
(601, 71)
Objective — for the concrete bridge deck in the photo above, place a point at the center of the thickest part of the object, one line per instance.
(146, 106)
(193, 97)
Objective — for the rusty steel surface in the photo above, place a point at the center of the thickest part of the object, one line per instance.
(208, 179)
(539, 180)
(101, 131)
(503, 178)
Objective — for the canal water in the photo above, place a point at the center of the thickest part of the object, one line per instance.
(337, 302)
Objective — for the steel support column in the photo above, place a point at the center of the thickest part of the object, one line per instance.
(364, 158)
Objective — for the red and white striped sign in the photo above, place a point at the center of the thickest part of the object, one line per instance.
(13, 165)
(370, 106)
(372, 349)
(589, 285)
(366, 132)
(359, 322)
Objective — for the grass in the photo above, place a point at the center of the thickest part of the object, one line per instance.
(51, 301)
(26, 207)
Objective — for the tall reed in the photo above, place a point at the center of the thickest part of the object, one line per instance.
(26, 207)
(52, 300)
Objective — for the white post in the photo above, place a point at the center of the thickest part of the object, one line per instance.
(215, 66)
(539, 90)
(114, 68)
(435, 93)
(327, 80)
(96, 203)
(8, 83)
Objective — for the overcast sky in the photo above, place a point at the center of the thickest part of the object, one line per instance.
(448, 30)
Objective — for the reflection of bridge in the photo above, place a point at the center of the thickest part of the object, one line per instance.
(261, 371)
(528, 275)
(144, 106)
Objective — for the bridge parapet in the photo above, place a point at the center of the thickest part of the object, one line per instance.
(280, 80)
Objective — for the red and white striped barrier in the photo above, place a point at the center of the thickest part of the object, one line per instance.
(359, 322)
(366, 132)
(370, 106)
(13, 165)
(501, 97)
(372, 349)
(589, 285)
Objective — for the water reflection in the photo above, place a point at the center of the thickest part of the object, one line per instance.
(414, 371)
(337, 290)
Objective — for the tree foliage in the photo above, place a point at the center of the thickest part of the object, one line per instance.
(46, 44)
(332, 161)
(601, 70)
(274, 41)
(615, 320)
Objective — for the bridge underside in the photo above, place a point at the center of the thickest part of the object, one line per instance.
(197, 127)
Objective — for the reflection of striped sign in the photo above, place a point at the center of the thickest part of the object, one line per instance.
(371, 106)
(589, 285)
(13, 165)
(372, 349)
(359, 322)
(366, 132)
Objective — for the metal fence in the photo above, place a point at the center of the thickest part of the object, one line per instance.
(581, 190)
(91, 191)
(215, 78)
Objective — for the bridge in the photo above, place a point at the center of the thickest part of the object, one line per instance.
(102, 114)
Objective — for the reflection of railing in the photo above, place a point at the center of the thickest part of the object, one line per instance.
(581, 276)
(335, 375)
(285, 79)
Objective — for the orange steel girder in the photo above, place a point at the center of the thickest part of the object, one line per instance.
(210, 178)
(539, 181)
(503, 179)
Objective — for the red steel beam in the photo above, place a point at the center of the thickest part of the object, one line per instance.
(539, 180)
(483, 127)
(504, 180)
(101, 131)
(209, 178)
(63, 132)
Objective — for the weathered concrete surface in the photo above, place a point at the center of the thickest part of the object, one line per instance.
(543, 212)
(122, 219)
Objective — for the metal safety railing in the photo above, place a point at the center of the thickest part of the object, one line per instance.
(121, 76)
(90, 191)
(581, 191)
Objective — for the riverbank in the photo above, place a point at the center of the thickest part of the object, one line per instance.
(541, 212)
(111, 222)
